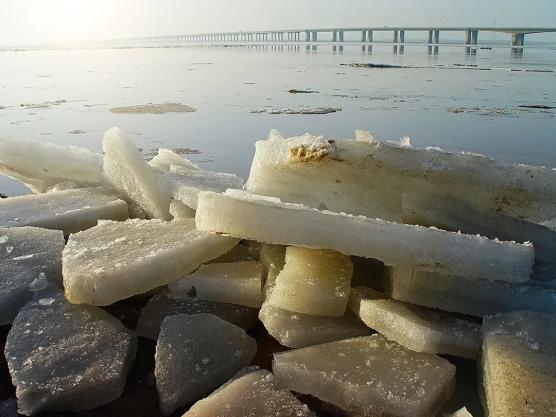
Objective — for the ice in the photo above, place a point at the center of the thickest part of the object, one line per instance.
(476, 297)
(184, 184)
(298, 330)
(246, 250)
(518, 364)
(368, 376)
(369, 177)
(462, 412)
(315, 282)
(41, 165)
(229, 282)
(245, 215)
(273, 258)
(417, 328)
(64, 357)
(160, 306)
(70, 211)
(34, 261)
(195, 354)
(131, 176)
(178, 210)
(116, 260)
(165, 158)
(251, 395)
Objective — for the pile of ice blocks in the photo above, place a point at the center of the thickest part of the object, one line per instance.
(344, 278)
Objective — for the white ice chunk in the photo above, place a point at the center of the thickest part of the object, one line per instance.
(273, 258)
(462, 412)
(178, 210)
(165, 158)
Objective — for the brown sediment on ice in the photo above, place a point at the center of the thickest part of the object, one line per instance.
(151, 108)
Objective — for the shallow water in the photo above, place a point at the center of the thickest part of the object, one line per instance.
(450, 99)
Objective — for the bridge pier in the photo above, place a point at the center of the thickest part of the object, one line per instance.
(395, 36)
(370, 36)
(314, 37)
(335, 36)
(364, 36)
(402, 36)
(518, 39)
(341, 35)
(436, 37)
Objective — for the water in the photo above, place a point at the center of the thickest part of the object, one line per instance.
(224, 84)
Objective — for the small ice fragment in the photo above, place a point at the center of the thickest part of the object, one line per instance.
(9, 249)
(46, 301)
(165, 158)
(273, 258)
(23, 257)
(4, 239)
(39, 283)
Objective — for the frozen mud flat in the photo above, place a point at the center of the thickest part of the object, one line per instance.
(70, 210)
(519, 364)
(67, 358)
(116, 260)
(417, 328)
(241, 214)
(195, 354)
(369, 177)
(30, 260)
(252, 395)
(368, 376)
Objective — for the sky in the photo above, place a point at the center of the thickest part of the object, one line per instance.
(24, 22)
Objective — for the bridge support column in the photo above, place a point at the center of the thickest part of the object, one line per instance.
(370, 36)
(364, 36)
(402, 36)
(430, 37)
(308, 36)
(334, 36)
(436, 37)
(314, 37)
(518, 39)
(341, 35)
(395, 36)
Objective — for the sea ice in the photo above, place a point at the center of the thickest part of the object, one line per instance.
(131, 176)
(178, 210)
(33, 261)
(116, 260)
(165, 158)
(195, 354)
(230, 282)
(417, 328)
(315, 282)
(64, 357)
(368, 376)
(241, 214)
(251, 395)
(41, 165)
(273, 258)
(70, 211)
(518, 363)
(298, 330)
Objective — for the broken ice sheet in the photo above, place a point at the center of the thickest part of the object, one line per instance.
(518, 364)
(417, 328)
(30, 258)
(252, 395)
(229, 282)
(70, 211)
(195, 354)
(368, 376)
(64, 357)
(241, 214)
(116, 260)
(165, 158)
(315, 282)
(273, 258)
(178, 210)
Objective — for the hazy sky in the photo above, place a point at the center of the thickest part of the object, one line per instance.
(37, 21)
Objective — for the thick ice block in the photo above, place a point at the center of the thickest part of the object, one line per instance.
(64, 357)
(116, 260)
(229, 282)
(369, 177)
(519, 364)
(251, 395)
(476, 297)
(30, 258)
(41, 165)
(315, 282)
(185, 184)
(298, 330)
(70, 211)
(165, 158)
(273, 258)
(160, 306)
(417, 328)
(245, 215)
(368, 376)
(195, 354)
(131, 176)
(178, 210)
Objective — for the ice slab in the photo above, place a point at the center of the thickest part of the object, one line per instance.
(178, 210)
(131, 176)
(195, 354)
(476, 297)
(70, 211)
(238, 213)
(161, 306)
(165, 158)
(116, 260)
(251, 395)
(228, 282)
(368, 376)
(298, 330)
(64, 357)
(30, 259)
(41, 165)
(519, 364)
(369, 177)
(273, 258)
(185, 184)
(246, 250)
(417, 328)
(462, 412)
(315, 282)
